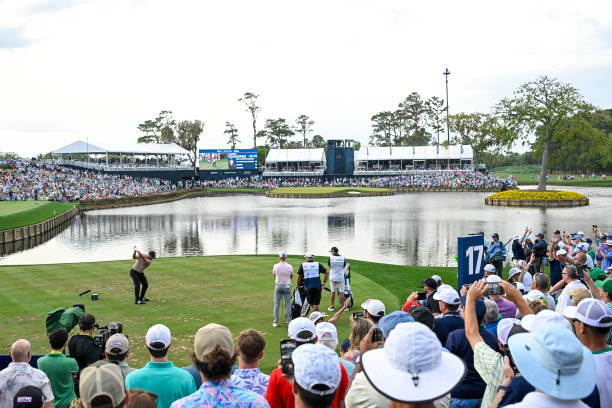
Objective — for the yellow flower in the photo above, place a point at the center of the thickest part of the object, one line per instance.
(538, 195)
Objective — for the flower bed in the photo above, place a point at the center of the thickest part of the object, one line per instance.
(534, 198)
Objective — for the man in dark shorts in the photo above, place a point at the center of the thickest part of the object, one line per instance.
(138, 276)
(309, 274)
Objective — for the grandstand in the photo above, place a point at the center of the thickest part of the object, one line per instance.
(398, 160)
(295, 163)
(166, 161)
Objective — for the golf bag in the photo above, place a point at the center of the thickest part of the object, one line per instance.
(348, 293)
(299, 306)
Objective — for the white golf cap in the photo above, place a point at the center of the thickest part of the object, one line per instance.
(489, 268)
(316, 369)
(520, 263)
(282, 255)
(528, 237)
(326, 331)
(158, 334)
(309, 255)
(314, 316)
(492, 279)
(580, 233)
(302, 330)
(448, 296)
(590, 311)
(561, 252)
(374, 307)
(516, 237)
(534, 294)
(503, 329)
(513, 271)
(609, 242)
(436, 278)
(545, 318)
(418, 373)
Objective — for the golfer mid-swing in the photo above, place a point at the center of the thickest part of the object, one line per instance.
(138, 276)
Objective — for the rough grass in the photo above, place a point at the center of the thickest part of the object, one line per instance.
(14, 214)
(529, 175)
(326, 190)
(186, 293)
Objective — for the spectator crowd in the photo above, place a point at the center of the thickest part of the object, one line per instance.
(539, 338)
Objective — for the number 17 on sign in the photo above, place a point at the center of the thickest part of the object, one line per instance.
(474, 251)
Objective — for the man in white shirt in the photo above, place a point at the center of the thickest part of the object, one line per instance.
(570, 278)
(283, 272)
(336, 264)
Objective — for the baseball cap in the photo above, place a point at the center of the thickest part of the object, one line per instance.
(534, 294)
(546, 317)
(374, 307)
(309, 255)
(540, 235)
(489, 268)
(580, 233)
(158, 334)
(492, 279)
(423, 315)
(528, 237)
(345, 346)
(28, 397)
(117, 342)
(583, 246)
(448, 295)
(316, 369)
(516, 237)
(282, 255)
(597, 274)
(333, 249)
(481, 309)
(314, 316)
(561, 252)
(419, 373)
(605, 285)
(495, 235)
(388, 322)
(609, 242)
(579, 294)
(437, 278)
(513, 271)
(104, 379)
(431, 282)
(207, 338)
(576, 236)
(589, 241)
(555, 362)
(152, 254)
(521, 263)
(503, 329)
(592, 312)
(326, 331)
(302, 330)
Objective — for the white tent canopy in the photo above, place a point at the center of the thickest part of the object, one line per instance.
(81, 147)
(295, 155)
(452, 152)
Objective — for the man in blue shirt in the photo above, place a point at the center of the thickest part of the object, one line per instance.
(309, 275)
(605, 251)
(160, 376)
(449, 302)
(496, 252)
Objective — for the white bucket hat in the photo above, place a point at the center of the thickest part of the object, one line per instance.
(419, 373)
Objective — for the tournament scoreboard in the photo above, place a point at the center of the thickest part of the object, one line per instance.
(227, 159)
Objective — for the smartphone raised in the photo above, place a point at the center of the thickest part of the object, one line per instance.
(287, 346)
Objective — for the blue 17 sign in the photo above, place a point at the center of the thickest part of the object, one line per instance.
(470, 259)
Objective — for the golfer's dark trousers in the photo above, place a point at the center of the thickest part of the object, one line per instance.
(140, 284)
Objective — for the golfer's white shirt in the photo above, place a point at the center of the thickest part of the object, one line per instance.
(541, 400)
(564, 298)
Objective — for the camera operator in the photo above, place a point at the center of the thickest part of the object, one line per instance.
(82, 347)
(539, 249)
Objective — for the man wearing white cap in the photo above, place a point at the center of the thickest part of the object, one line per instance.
(557, 261)
(517, 248)
(160, 376)
(592, 320)
(449, 302)
(309, 273)
(571, 281)
(522, 276)
(605, 252)
(316, 376)
(416, 375)
(327, 335)
(374, 310)
(283, 272)
(489, 269)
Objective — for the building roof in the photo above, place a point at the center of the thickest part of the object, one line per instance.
(452, 152)
(295, 155)
(81, 147)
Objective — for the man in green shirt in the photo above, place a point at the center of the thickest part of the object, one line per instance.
(160, 376)
(60, 369)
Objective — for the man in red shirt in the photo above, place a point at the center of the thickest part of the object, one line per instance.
(280, 391)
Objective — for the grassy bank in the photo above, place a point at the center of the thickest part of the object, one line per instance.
(328, 190)
(526, 175)
(186, 294)
(235, 190)
(15, 214)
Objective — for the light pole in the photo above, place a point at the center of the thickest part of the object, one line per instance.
(446, 74)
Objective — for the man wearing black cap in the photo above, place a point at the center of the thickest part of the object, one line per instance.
(28, 397)
(138, 276)
(429, 287)
(336, 264)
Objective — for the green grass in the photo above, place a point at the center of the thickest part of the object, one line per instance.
(187, 293)
(326, 190)
(529, 174)
(14, 214)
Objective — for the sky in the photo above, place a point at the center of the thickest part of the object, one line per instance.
(93, 70)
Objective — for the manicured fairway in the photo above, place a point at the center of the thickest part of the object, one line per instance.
(326, 190)
(526, 175)
(186, 293)
(14, 214)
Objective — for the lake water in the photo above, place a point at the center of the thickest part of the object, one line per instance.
(407, 229)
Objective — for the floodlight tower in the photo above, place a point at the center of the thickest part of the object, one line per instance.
(446, 74)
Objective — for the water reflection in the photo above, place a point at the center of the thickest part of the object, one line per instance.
(410, 229)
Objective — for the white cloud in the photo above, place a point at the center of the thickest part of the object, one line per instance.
(96, 69)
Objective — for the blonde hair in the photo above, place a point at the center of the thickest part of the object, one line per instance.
(360, 326)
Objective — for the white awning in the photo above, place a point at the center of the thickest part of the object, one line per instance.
(296, 155)
(452, 152)
(81, 147)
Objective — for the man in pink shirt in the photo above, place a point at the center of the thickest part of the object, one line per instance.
(283, 272)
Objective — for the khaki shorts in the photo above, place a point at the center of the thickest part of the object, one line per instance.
(333, 286)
